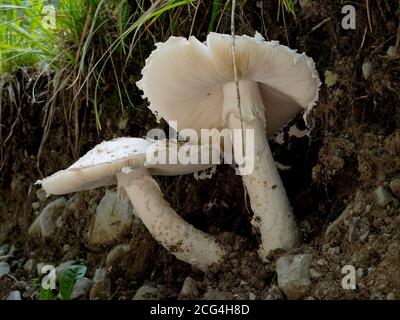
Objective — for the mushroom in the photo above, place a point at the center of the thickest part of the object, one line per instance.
(124, 162)
(193, 84)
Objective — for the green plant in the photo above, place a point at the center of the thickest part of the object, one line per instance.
(68, 279)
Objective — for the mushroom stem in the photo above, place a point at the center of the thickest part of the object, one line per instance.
(167, 227)
(271, 207)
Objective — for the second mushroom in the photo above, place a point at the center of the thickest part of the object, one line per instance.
(193, 83)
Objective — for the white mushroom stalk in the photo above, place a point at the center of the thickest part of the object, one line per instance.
(271, 207)
(168, 228)
(193, 84)
(123, 161)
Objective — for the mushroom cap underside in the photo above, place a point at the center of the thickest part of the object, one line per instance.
(183, 79)
(99, 166)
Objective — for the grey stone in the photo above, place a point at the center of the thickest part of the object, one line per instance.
(395, 187)
(117, 253)
(14, 295)
(366, 68)
(333, 227)
(81, 288)
(29, 266)
(4, 249)
(294, 275)
(112, 220)
(99, 274)
(45, 224)
(35, 205)
(382, 196)
(189, 290)
(4, 269)
(392, 52)
(146, 293)
(101, 290)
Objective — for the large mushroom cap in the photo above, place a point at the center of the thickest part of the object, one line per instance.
(183, 79)
(99, 166)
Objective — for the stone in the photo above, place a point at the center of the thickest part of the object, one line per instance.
(314, 274)
(392, 52)
(146, 293)
(81, 288)
(189, 290)
(45, 224)
(330, 78)
(113, 219)
(4, 249)
(382, 196)
(395, 187)
(274, 293)
(4, 269)
(101, 290)
(294, 275)
(29, 266)
(99, 274)
(333, 227)
(14, 295)
(252, 296)
(366, 68)
(117, 253)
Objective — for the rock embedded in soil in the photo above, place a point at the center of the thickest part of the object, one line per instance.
(366, 68)
(29, 266)
(101, 289)
(330, 78)
(382, 196)
(112, 220)
(395, 187)
(45, 224)
(4, 249)
(14, 295)
(4, 269)
(189, 290)
(294, 275)
(116, 254)
(146, 292)
(81, 288)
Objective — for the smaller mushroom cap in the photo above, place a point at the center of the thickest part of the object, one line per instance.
(99, 166)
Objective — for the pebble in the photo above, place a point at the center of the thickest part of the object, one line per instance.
(366, 68)
(14, 295)
(116, 254)
(382, 196)
(189, 290)
(392, 52)
(314, 274)
(330, 78)
(41, 194)
(101, 290)
(294, 275)
(4, 249)
(112, 220)
(395, 187)
(146, 293)
(81, 288)
(4, 269)
(29, 266)
(45, 224)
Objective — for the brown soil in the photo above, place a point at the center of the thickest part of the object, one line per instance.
(354, 147)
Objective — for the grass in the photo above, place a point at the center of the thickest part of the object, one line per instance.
(90, 48)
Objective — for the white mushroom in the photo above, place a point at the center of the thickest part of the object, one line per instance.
(123, 161)
(193, 84)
